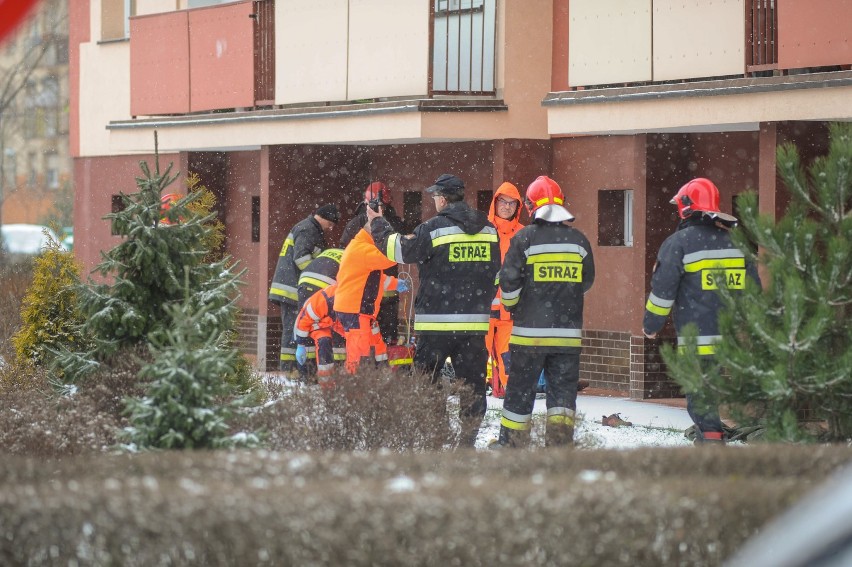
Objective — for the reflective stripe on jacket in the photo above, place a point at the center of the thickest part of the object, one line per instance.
(685, 280)
(303, 244)
(547, 270)
(321, 272)
(458, 256)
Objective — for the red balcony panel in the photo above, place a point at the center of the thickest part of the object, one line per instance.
(159, 64)
(221, 70)
(814, 34)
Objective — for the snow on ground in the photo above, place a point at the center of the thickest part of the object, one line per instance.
(654, 425)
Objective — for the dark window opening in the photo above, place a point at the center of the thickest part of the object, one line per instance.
(483, 200)
(615, 217)
(412, 210)
(117, 205)
(255, 219)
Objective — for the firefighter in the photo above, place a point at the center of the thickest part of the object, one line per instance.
(303, 243)
(379, 193)
(690, 265)
(361, 284)
(505, 215)
(547, 270)
(316, 327)
(319, 274)
(458, 256)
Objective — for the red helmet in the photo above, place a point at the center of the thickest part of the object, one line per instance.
(544, 200)
(166, 203)
(698, 195)
(372, 191)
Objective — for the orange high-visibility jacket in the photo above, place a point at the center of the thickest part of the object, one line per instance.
(506, 229)
(360, 281)
(317, 316)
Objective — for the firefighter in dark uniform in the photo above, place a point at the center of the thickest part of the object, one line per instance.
(304, 243)
(389, 313)
(458, 257)
(547, 270)
(690, 265)
(319, 274)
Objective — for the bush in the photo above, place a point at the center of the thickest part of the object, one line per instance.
(375, 409)
(14, 281)
(635, 508)
(37, 421)
(50, 316)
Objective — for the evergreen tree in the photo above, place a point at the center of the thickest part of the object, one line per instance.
(145, 274)
(182, 407)
(50, 317)
(785, 351)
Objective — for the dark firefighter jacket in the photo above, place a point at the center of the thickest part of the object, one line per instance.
(321, 272)
(304, 243)
(548, 268)
(685, 279)
(358, 222)
(458, 257)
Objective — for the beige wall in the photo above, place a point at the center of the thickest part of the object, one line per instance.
(144, 7)
(388, 48)
(104, 95)
(693, 113)
(609, 41)
(310, 47)
(698, 38)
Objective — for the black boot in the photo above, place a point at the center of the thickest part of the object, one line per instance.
(510, 439)
(559, 435)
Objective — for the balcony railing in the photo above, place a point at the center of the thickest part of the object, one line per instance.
(655, 41)
(463, 39)
(231, 56)
(203, 59)
(762, 26)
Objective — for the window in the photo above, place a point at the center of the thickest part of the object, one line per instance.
(483, 200)
(32, 169)
(10, 168)
(444, 6)
(255, 219)
(412, 209)
(52, 173)
(115, 18)
(615, 217)
(463, 46)
(117, 205)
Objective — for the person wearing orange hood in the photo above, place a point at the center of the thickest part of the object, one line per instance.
(504, 214)
(361, 283)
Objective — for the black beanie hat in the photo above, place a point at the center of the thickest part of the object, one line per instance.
(329, 213)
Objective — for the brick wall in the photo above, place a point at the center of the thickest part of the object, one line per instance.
(605, 360)
(648, 378)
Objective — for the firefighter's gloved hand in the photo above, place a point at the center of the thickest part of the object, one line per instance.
(301, 354)
(402, 286)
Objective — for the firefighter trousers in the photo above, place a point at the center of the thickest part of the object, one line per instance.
(289, 312)
(363, 340)
(562, 370)
(497, 343)
(469, 358)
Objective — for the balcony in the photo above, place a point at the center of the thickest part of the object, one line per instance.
(638, 42)
(256, 54)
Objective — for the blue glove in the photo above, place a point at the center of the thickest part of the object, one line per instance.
(301, 355)
(401, 286)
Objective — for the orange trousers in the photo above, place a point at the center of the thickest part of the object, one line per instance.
(497, 343)
(364, 342)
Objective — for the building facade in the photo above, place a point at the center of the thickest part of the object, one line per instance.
(35, 163)
(280, 106)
